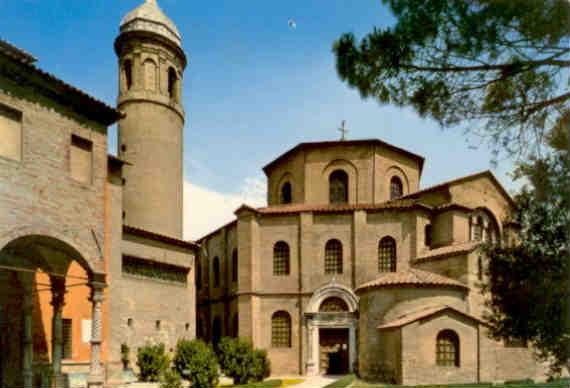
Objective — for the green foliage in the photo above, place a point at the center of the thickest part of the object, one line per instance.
(241, 362)
(501, 65)
(343, 382)
(529, 285)
(196, 362)
(263, 384)
(152, 362)
(171, 379)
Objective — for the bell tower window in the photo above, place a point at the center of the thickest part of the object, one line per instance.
(128, 71)
(286, 195)
(172, 83)
(338, 187)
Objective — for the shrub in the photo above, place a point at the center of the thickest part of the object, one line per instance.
(171, 379)
(241, 362)
(152, 362)
(196, 362)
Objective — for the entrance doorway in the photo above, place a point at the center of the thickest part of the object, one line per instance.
(333, 351)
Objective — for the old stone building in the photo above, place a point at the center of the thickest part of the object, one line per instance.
(351, 265)
(91, 250)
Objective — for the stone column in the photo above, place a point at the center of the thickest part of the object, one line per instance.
(96, 378)
(27, 341)
(351, 347)
(57, 302)
(313, 349)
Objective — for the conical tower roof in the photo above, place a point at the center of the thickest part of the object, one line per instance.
(148, 17)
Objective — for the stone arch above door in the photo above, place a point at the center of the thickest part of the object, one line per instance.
(332, 289)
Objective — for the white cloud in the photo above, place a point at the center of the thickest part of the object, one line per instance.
(206, 209)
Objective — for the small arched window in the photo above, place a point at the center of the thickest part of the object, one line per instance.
(396, 188)
(447, 348)
(338, 187)
(281, 259)
(281, 330)
(128, 71)
(172, 83)
(286, 193)
(387, 255)
(216, 269)
(234, 265)
(333, 257)
(216, 330)
(333, 305)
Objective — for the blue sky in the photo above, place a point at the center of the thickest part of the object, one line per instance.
(254, 86)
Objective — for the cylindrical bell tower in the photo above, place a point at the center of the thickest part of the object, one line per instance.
(151, 64)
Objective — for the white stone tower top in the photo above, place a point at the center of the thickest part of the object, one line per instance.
(148, 17)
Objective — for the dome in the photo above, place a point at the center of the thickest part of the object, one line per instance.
(150, 18)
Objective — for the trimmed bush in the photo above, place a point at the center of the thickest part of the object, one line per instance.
(196, 362)
(241, 362)
(152, 362)
(171, 379)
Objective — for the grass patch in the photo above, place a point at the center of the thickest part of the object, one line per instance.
(288, 382)
(508, 384)
(343, 382)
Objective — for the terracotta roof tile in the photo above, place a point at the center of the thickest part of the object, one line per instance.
(424, 313)
(328, 208)
(448, 250)
(159, 237)
(412, 277)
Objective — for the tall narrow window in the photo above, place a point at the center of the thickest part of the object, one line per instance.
(81, 159)
(172, 83)
(447, 348)
(338, 187)
(396, 188)
(478, 229)
(10, 133)
(480, 268)
(333, 257)
(234, 265)
(128, 72)
(281, 330)
(216, 269)
(149, 75)
(286, 195)
(281, 259)
(387, 255)
(198, 274)
(428, 235)
(216, 331)
(67, 336)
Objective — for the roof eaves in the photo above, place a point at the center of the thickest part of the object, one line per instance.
(127, 229)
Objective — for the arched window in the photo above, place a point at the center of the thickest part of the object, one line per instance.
(427, 235)
(478, 229)
(216, 269)
(286, 193)
(447, 348)
(338, 187)
(216, 331)
(149, 75)
(281, 258)
(483, 227)
(387, 255)
(172, 83)
(281, 330)
(396, 188)
(234, 265)
(235, 325)
(128, 71)
(198, 274)
(333, 257)
(333, 305)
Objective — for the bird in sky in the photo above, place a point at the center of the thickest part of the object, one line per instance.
(292, 24)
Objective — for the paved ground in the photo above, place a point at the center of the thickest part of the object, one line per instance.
(316, 381)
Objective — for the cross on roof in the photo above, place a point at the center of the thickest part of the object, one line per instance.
(343, 130)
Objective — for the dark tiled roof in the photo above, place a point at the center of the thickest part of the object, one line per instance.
(424, 313)
(67, 95)
(320, 144)
(449, 250)
(159, 237)
(199, 241)
(412, 277)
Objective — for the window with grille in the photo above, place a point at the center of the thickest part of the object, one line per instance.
(281, 330)
(286, 193)
(235, 266)
(338, 187)
(67, 335)
(396, 188)
(281, 259)
(216, 269)
(447, 348)
(333, 257)
(333, 305)
(387, 255)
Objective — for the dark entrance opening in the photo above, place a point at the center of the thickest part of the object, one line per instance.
(333, 344)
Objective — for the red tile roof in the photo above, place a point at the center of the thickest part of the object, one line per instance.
(448, 250)
(159, 237)
(412, 277)
(318, 144)
(424, 313)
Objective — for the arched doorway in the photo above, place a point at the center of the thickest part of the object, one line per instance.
(331, 317)
(36, 271)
